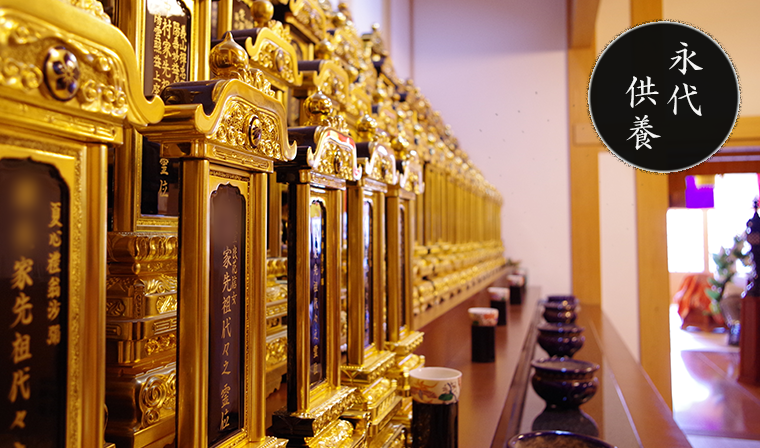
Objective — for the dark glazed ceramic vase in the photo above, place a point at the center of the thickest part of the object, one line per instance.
(568, 298)
(555, 439)
(564, 382)
(557, 313)
(560, 339)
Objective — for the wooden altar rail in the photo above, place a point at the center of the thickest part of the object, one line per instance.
(493, 393)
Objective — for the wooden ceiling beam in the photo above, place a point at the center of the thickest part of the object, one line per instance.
(582, 23)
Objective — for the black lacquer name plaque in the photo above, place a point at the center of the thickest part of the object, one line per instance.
(226, 313)
(34, 296)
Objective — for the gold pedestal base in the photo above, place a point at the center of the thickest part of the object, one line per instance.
(141, 407)
(312, 423)
(394, 436)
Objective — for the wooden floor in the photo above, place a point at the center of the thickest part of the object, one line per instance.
(707, 398)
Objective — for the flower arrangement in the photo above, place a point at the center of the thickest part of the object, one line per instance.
(725, 263)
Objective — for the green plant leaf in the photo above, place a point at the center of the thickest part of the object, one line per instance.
(446, 397)
(713, 294)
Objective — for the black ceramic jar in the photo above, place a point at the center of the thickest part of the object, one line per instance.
(560, 339)
(564, 382)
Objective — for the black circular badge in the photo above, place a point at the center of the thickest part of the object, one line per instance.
(663, 96)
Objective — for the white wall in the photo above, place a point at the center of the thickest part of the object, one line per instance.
(618, 247)
(399, 32)
(497, 71)
(617, 209)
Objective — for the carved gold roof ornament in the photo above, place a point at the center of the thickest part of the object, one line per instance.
(406, 159)
(344, 46)
(324, 145)
(269, 46)
(439, 155)
(361, 101)
(328, 77)
(366, 128)
(377, 162)
(307, 18)
(69, 72)
(334, 155)
(92, 7)
(411, 177)
(319, 111)
(236, 114)
(379, 55)
(349, 47)
(375, 41)
(407, 120)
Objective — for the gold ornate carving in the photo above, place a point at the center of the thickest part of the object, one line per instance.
(160, 344)
(377, 392)
(381, 165)
(319, 111)
(277, 292)
(253, 129)
(228, 60)
(318, 418)
(156, 284)
(19, 75)
(273, 442)
(336, 435)
(276, 59)
(375, 41)
(157, 398)
(393, 436)
(126, 247)
(349, 46)
(92, 7)
(277, 351)
(370, 372)
(80, 73)
(333, 81)
(277, 267)
(67, 67)
(336, 161)
(238, 158)
(167, 303)
(165, 325)
(335, 155)
(115, 307)
(311, 18)
(412, 177)
(273, 310)
(361, 101)
(407, 345)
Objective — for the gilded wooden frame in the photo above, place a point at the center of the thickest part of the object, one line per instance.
(398, 200)
(374, 192)
(83, 167)
(205, 177)
(301, 397)
(129, 16)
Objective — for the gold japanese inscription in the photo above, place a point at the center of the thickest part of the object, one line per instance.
(167, 55)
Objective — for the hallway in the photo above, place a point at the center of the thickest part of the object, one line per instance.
(709, 405)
